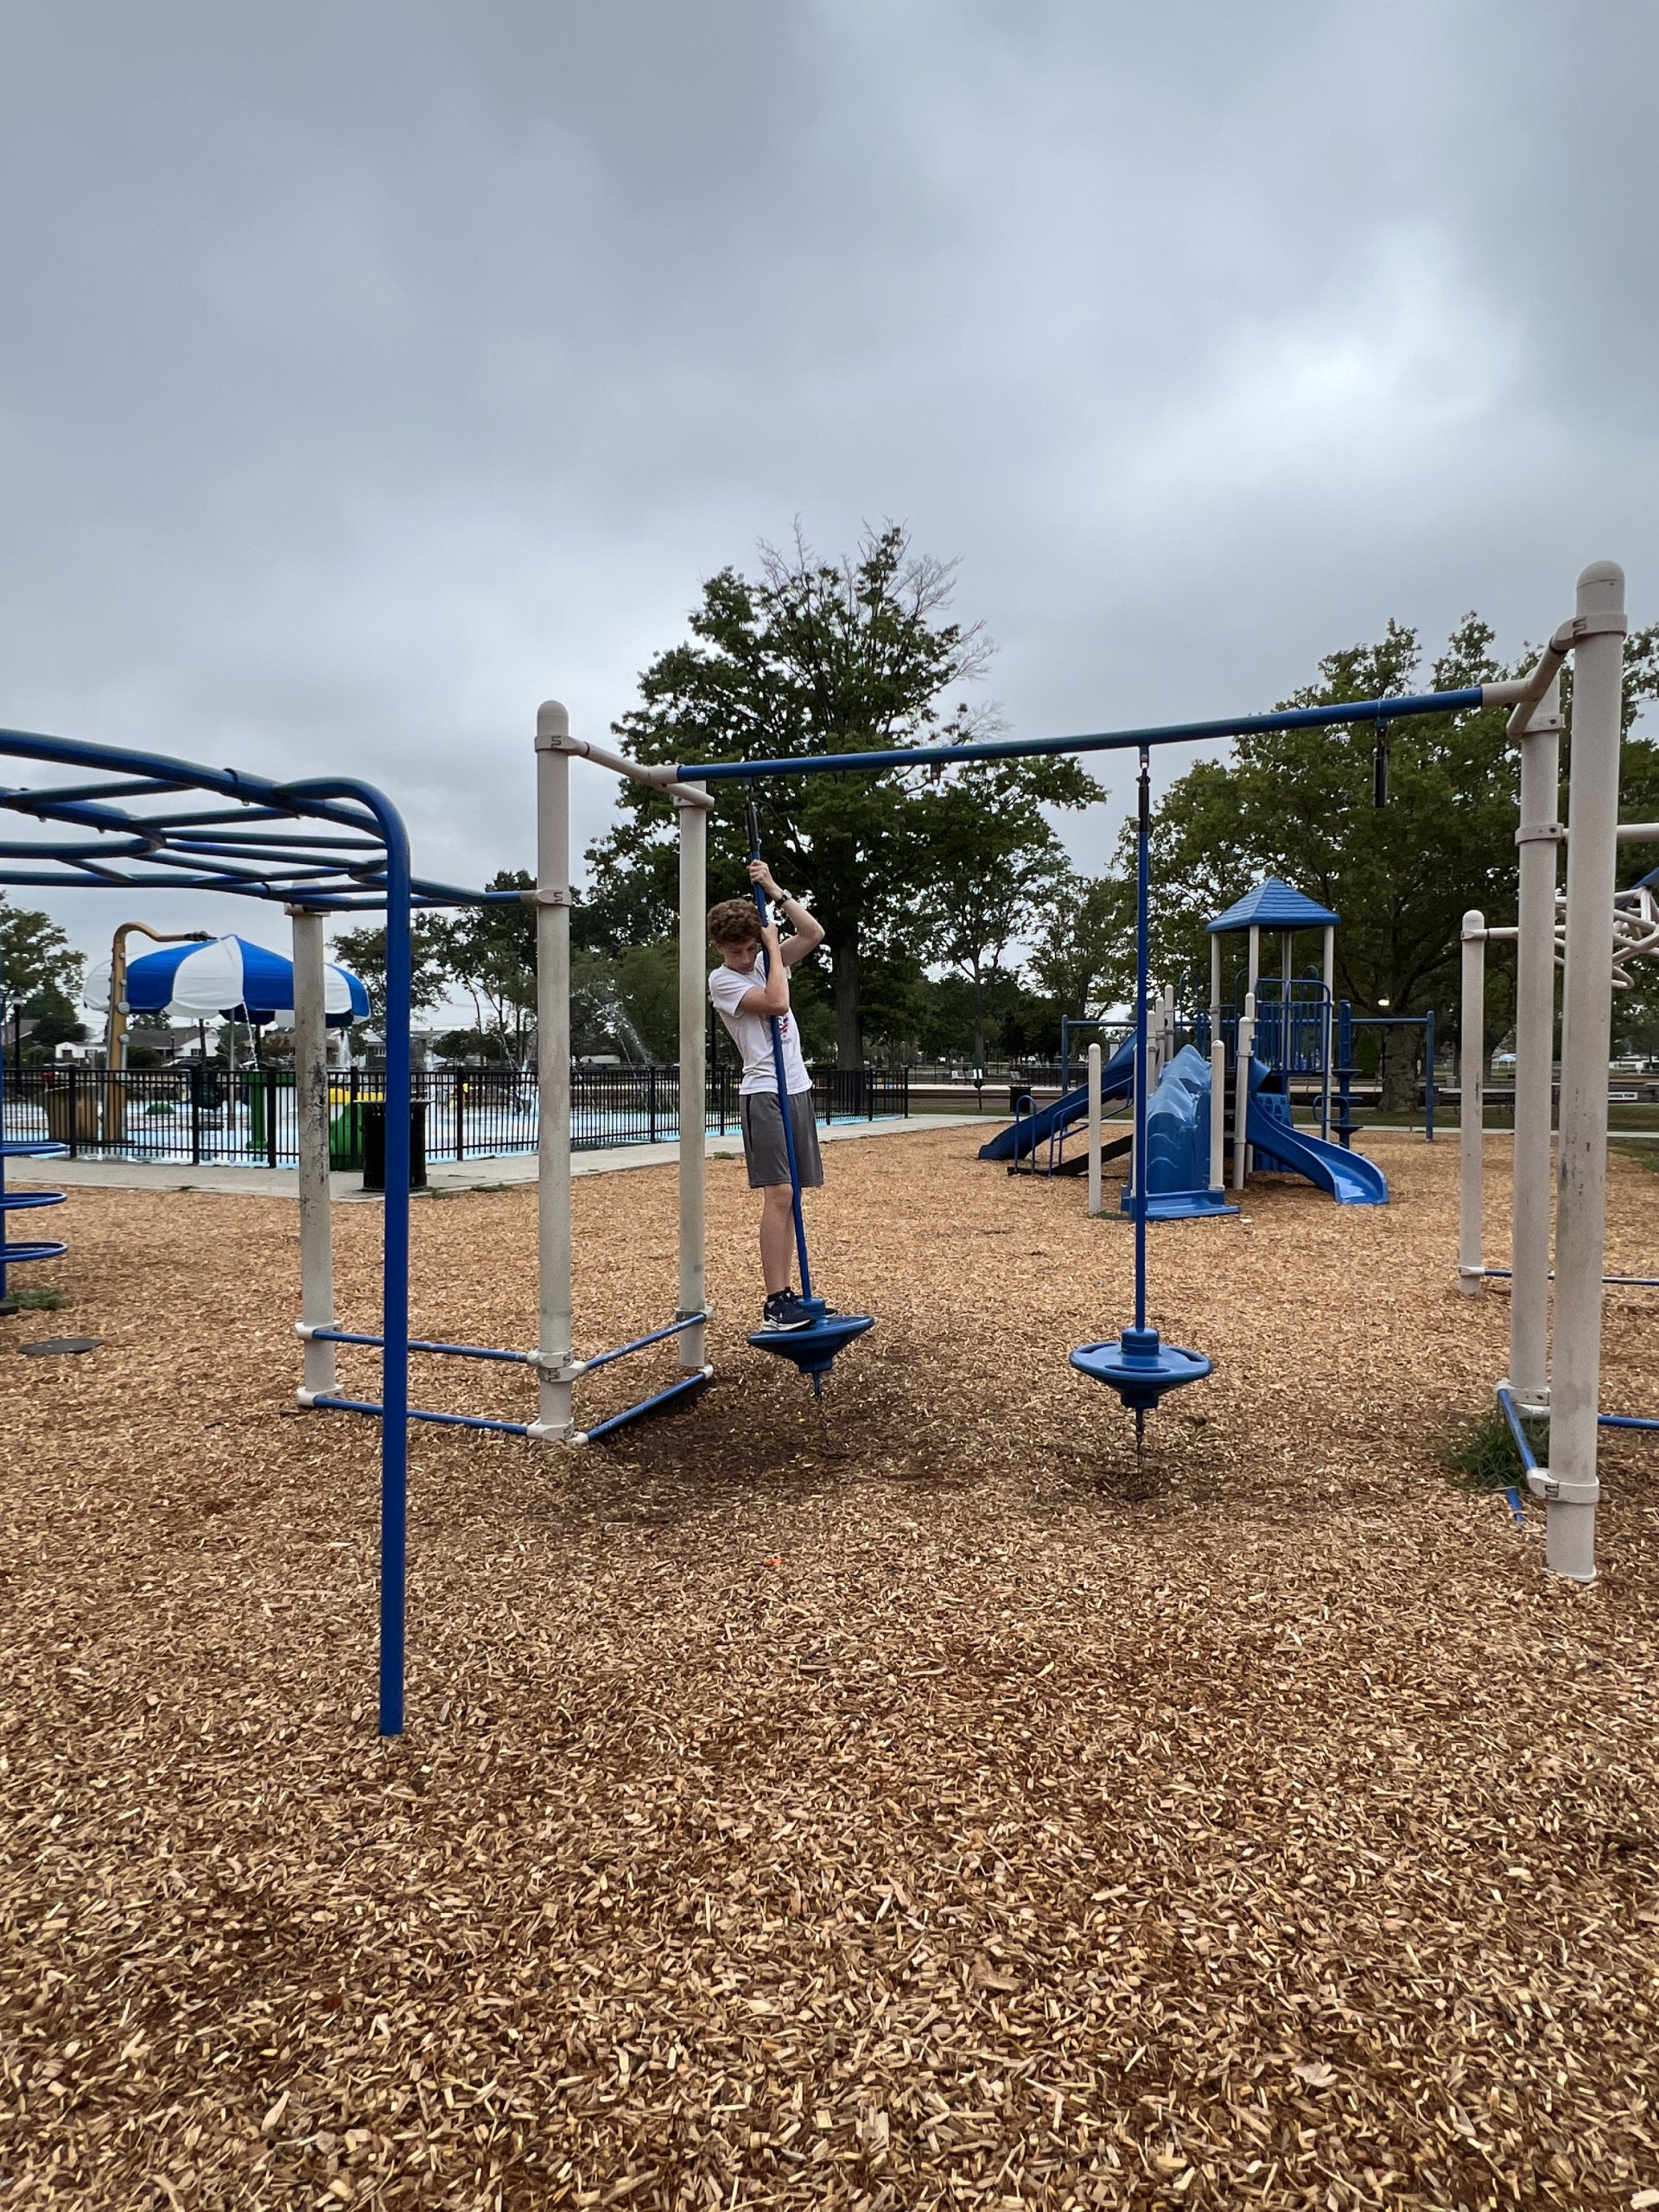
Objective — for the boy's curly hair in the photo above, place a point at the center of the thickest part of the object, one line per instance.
(735, 921)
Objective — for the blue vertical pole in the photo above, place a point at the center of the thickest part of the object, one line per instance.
(1142, 952)
(782, 1083)
(394, 1327)
(394, 1276)
(1428, 1075)
(3, 1138)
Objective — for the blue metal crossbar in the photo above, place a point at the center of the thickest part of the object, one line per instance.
(1528, 1458)
(646, 1406)
(420, 1344)
(656, 1337)
(1029, 748)
(1626, 1283)
(1625, 1421)
(333, 1405)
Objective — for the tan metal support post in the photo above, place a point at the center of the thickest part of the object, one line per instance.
(311, 1108)
(1571, 1485)
(1537, 838)
(554, 1422)
(1472, 1117)
(1094, 1129)
(689, 801)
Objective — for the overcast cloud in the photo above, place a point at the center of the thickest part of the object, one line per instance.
(376, 369)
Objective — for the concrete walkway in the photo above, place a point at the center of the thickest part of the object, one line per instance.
(442, 1176)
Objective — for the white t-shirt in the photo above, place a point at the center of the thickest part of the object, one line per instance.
(752, 1032)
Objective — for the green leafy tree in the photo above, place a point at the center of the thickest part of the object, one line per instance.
(489, 952)
(994, 868)
(364, 951)
(811, 657)
(1299, 804)
(1084, 954)
(40, 977)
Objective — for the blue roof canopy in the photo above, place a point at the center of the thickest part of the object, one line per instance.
(1274, 906)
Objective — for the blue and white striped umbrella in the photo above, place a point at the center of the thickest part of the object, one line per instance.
(232, 980)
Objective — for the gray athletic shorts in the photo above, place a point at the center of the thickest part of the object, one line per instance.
(763, 1139)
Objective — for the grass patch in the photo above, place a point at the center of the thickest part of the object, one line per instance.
(38, 1301)
(1482, 1456)
(1645, 1155)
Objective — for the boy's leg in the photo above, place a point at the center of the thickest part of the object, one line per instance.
(776, 1236)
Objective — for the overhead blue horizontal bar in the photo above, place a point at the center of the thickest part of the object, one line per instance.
(646, 1406)
(259, 838)
(656, 1337)
(1031, 748)
(420, 1344)
(133, 787)
(333, 1405)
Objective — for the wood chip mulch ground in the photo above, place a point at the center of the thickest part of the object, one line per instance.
(937, 1810)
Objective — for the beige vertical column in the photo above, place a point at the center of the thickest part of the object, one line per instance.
(688, 803)
(1094, 1129)
(1571, 1485)
(554, 1420)
(1537, 838)
(311, 1110)
(1472, 1115)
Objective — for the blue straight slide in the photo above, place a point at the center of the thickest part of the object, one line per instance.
(1348, 1177)
(1117, 1080)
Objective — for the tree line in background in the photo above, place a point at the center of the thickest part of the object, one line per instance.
(956, 927)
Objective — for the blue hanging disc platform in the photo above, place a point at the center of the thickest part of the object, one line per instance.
(1139, 1368)
(813, 1349)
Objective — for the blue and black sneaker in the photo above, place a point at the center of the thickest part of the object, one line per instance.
(783, 1309)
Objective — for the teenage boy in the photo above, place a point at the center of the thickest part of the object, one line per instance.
(749, 992)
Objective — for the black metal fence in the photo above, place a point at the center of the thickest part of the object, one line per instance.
(202, 1115)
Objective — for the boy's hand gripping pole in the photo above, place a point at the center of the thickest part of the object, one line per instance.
(782, 1083)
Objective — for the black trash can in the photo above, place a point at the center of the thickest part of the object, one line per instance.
(373, 1112)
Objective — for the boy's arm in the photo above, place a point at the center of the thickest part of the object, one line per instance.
(771, 999)
(807, 931)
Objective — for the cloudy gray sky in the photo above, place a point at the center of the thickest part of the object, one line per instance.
(374, 369)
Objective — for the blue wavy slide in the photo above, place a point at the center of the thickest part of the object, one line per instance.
(1117, 1080)
(1348, 1177)
(1178, 1146)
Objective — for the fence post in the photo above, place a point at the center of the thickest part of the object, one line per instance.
(273, 1100)
(460, 1080)
(74, 1113)
(1428, 1075)
(652, 1097)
